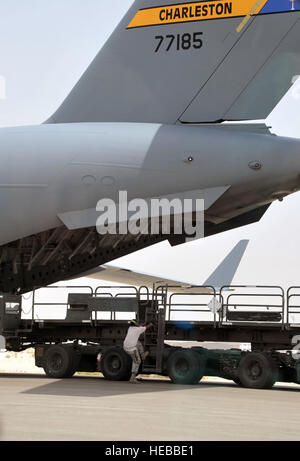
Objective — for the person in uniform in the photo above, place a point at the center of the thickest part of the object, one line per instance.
(133, 347)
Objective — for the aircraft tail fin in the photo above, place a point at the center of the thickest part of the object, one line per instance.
(191, 62)
(225, 272)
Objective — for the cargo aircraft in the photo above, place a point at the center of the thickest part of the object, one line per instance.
(153, 115)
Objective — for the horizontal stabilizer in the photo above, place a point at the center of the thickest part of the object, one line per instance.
(257, 128)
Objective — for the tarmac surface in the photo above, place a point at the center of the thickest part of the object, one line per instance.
(34, 407)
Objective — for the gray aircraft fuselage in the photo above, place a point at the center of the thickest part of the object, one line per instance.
(51, 170)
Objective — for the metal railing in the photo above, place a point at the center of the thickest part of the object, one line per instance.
(239, 307)
(65, 304)
(239, 304)
(140, 294)
(199, 305)
(293, 306)
(135, 293)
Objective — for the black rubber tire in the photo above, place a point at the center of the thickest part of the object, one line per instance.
(115, 364)
(60, 362)
(257, 371)
(185, 367)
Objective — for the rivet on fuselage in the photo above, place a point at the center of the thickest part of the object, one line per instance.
(189, 159)
(255, 165)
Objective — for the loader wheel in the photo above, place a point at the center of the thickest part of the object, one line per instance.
(60, 362)
(116, 365)
(185, 367)
(257, 370)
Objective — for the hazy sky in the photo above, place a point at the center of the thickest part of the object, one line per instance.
(45, 46)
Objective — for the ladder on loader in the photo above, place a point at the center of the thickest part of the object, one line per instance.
(155, 313)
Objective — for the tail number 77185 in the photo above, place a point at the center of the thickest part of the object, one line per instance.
(179, 42)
